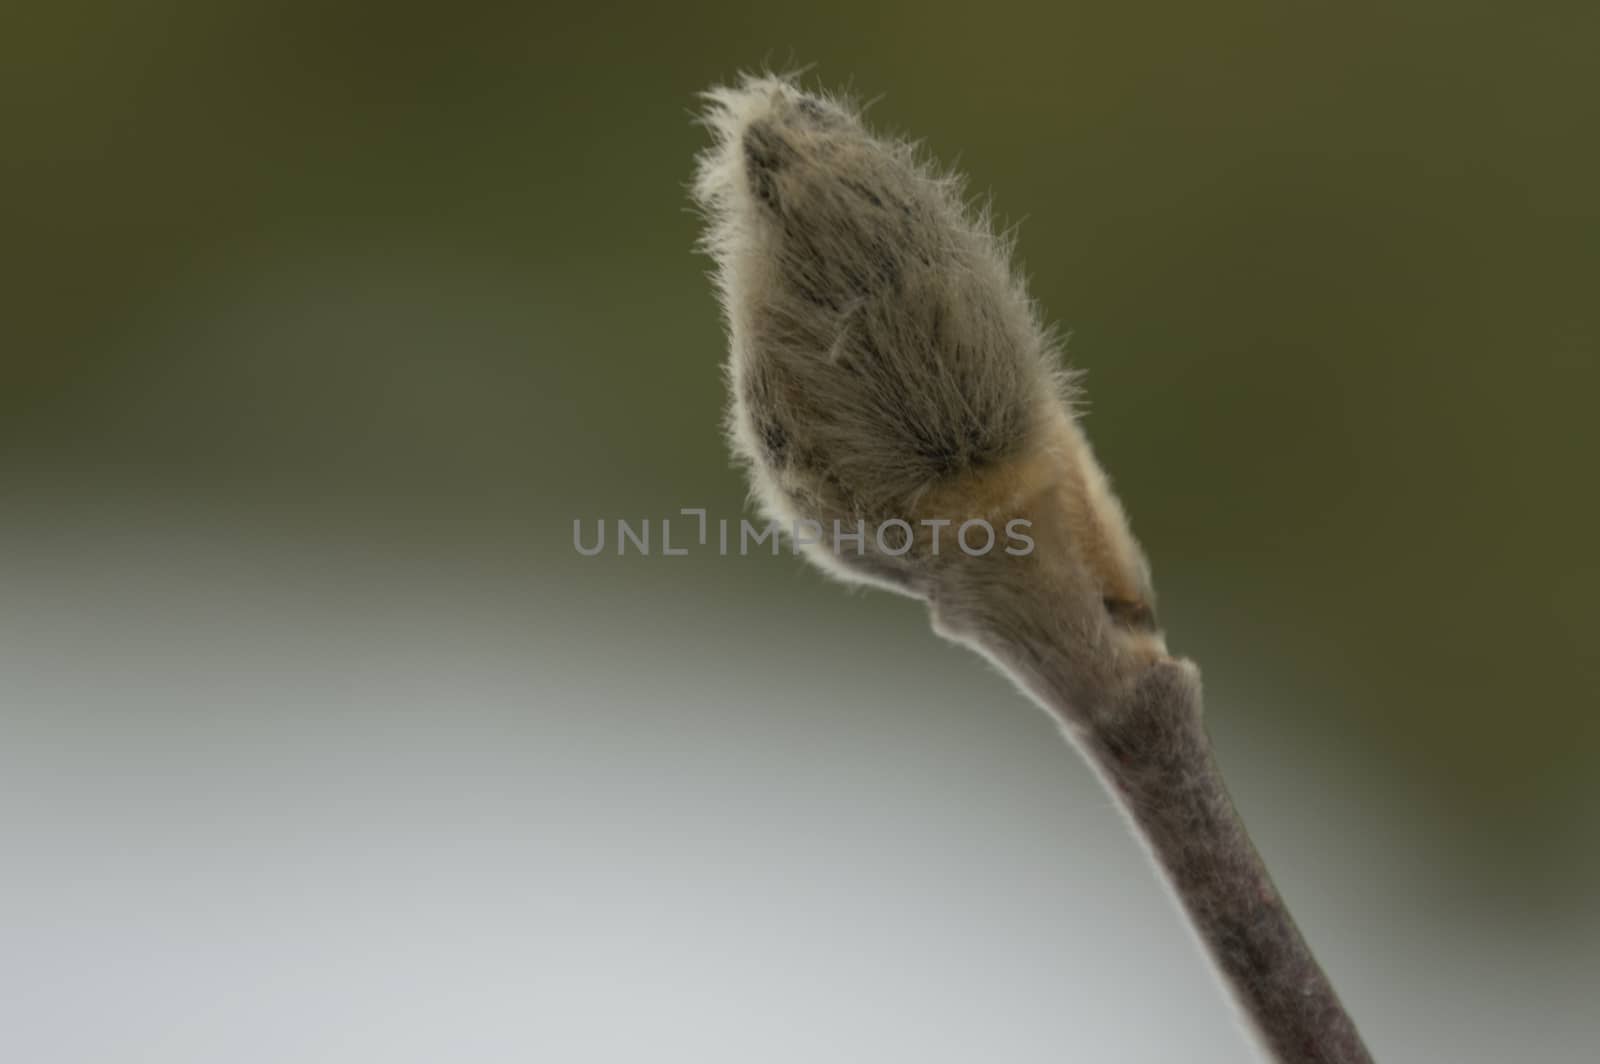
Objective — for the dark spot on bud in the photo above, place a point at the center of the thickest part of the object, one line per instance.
(774, 442)
(1135, 615)
(864, 192)
(765, 156)
(811, 109)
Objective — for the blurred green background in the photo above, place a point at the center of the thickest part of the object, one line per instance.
(417, 283)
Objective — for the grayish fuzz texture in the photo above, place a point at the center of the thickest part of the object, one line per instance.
(880, 343)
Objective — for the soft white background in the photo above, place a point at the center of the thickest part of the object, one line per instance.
(266, 800)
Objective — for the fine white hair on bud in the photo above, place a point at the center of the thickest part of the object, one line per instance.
(879, 340)
(885, 361)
